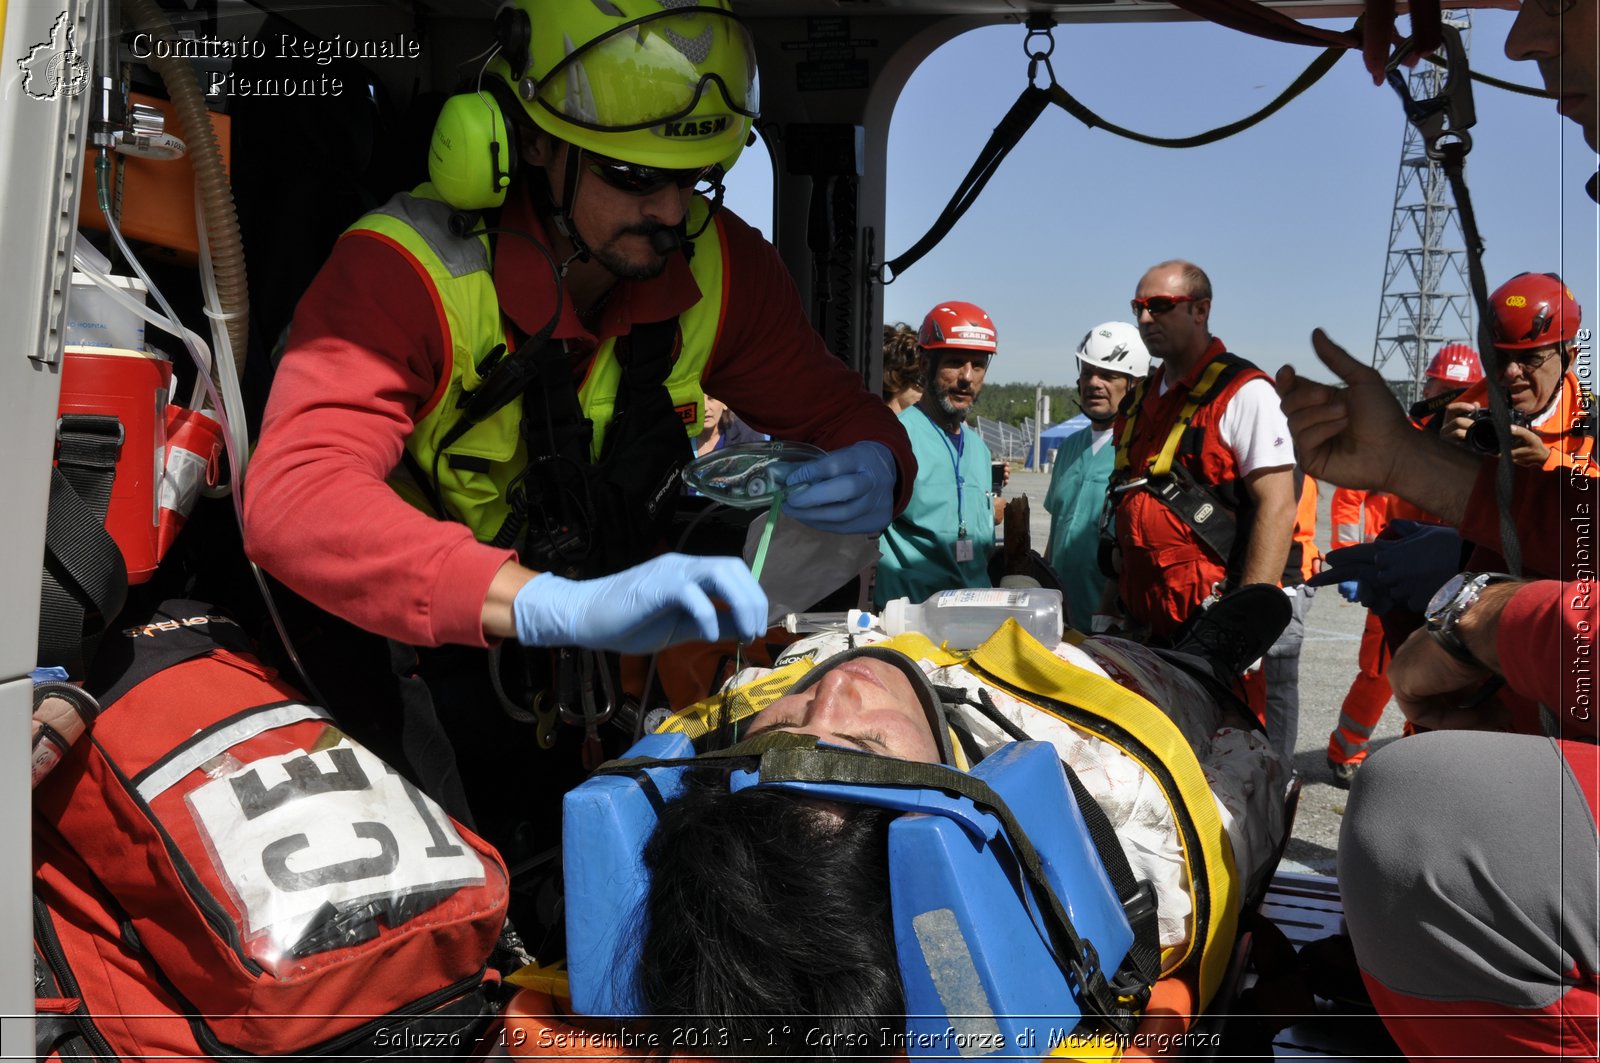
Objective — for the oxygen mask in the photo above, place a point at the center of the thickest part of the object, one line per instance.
(747, 475)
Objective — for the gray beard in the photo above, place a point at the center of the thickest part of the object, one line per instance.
(953, 415)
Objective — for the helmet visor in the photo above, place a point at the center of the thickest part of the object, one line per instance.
(656, 71)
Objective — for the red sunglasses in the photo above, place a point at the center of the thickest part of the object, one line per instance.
(639, 180)
(1159, 304)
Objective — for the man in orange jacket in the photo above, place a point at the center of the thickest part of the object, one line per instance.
(1359, 516)
(1536, 323)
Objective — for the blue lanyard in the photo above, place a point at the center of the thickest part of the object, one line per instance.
(956, 450)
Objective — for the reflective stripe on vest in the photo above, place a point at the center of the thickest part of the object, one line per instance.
(476, 473)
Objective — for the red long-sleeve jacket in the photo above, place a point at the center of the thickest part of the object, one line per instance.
(366, 353)
(1546, 641)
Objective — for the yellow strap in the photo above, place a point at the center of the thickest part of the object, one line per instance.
(1201, 391)
(551, 980)
(1018, 660)
(1162, 463)
(1126, 436)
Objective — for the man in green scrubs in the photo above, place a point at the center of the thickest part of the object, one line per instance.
(1110, 359)
(945, 535)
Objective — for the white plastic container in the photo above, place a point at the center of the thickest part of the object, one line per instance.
(963, 619)
(93, 320)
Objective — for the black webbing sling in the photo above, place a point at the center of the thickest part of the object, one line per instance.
(85, 576)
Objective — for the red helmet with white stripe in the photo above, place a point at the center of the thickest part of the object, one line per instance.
(964, 326)
(1457, 364)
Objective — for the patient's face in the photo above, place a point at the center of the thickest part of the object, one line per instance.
(862, 703)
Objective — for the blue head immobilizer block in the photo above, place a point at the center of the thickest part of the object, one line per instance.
(980, 974)
(605, 823)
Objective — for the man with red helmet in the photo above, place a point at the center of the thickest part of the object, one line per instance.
(1203, 481)
(1536, 323)
(943, 538)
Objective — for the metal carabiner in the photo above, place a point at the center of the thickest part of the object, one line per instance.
(1040, 25)
(1442, 119)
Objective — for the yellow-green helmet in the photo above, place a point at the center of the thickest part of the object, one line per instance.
(665, 83)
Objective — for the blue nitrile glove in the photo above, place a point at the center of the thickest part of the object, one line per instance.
(664, 601)
(1414, 560)
(1402, 567)
(1355, 567)
(848, 492)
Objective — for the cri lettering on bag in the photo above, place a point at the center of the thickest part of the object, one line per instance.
(315, 846)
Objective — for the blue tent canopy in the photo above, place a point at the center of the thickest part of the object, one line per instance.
(1052, 437)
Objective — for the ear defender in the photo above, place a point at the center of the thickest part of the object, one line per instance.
(514, 32)
(473, 153)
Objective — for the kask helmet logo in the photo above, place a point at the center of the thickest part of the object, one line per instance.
(708, 127)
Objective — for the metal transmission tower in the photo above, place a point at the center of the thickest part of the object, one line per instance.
(1426, 301)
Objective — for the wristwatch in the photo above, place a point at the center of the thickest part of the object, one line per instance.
(1450, 602)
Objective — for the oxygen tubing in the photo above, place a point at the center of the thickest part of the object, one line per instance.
(214, 191)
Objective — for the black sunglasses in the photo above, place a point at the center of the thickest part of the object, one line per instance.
(639, 180)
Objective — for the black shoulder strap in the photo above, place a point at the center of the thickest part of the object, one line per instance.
(176, 631)
(646, 356)
(85, 578)
(1232, 366)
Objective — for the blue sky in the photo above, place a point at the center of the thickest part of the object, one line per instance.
(1290, 219)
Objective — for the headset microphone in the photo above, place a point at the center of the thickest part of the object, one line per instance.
(665, 241)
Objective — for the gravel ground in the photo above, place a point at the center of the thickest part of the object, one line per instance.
(1327, 663)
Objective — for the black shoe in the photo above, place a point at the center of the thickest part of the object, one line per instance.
(1343, 774)
(1238, 629)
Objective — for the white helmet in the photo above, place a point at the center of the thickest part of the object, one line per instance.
(1115, 346)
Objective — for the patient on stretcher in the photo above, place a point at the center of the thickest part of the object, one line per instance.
(759, 895)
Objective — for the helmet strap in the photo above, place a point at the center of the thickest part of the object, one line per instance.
(560, 214)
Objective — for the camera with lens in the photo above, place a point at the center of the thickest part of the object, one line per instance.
(1481, 438)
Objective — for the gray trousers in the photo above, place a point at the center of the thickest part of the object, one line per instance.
(1467, 863)
(1282, 668)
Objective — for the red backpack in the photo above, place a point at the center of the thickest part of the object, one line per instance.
(219, 871)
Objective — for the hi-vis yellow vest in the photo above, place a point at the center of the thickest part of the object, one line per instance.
(476, 472)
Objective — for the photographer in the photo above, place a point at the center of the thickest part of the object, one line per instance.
(1552, 419)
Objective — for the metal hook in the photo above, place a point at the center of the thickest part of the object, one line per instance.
(548, 718)
(1443, 120)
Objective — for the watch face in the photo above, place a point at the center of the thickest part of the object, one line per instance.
(1446, 594)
